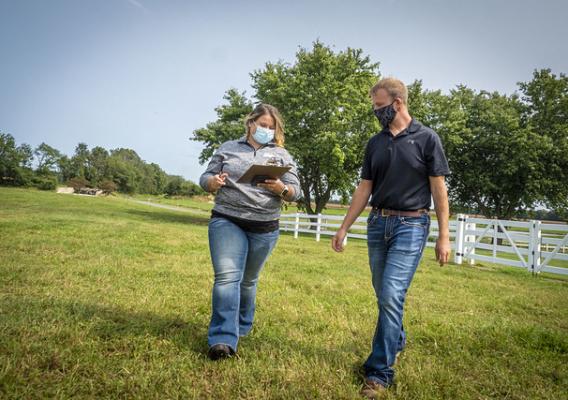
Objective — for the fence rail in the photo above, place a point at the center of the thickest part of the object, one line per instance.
(532, 245)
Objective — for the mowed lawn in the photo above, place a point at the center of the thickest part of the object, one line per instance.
(105, 298)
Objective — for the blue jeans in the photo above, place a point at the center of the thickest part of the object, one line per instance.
(237, 256)
(395, 246)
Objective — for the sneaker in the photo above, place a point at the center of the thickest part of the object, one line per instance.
(372, 389)
(219, 351)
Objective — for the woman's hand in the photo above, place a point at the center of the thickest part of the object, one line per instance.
(274, 185)
(217, 181)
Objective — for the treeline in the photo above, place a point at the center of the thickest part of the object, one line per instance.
(119, 170)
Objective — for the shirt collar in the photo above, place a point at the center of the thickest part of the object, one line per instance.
(413, 127)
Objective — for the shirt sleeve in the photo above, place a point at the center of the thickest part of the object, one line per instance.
(291, 178)
(366, 172)
(213, 168)
(436, 161)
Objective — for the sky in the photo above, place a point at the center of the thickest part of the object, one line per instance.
(144, 74)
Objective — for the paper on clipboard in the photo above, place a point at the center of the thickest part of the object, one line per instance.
(258, 173)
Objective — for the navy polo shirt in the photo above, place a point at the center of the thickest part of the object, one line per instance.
(400, 165)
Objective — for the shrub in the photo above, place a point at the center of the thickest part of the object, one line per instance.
(108, 186)
(45, 182)
(78, 183)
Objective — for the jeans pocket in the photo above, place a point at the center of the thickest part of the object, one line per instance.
(420, 222)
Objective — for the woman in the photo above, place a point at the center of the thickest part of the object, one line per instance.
(243, 229)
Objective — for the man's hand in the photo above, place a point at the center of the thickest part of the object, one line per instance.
(337, 240)
(217, 181)
(443, 250)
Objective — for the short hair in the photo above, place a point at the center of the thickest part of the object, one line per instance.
(263, 109)
(394, 87)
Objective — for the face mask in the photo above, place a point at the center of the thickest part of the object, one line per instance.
(385, 115)
(263, 135)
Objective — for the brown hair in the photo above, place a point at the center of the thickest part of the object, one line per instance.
(263, 109)
(394, 87)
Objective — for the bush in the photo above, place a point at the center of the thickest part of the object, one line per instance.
(45, 182)
(78, 183)
(108, 186)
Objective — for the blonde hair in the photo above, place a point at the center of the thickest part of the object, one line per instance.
(394, 87)
(263, 109)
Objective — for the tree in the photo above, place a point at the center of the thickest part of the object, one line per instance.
(47, 159)
(174, 186)
(96, 169)
(228, 126)
(324, 98)
(546, 111)
(15, 162)
(78, 163)
(495, 157)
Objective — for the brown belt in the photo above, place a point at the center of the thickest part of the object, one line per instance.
(385, 213)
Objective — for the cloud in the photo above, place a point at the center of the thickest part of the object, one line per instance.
(139, 5)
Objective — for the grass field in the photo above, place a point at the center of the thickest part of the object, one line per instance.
(105, 298)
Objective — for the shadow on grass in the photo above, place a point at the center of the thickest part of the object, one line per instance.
(111, 324)
(170, 217)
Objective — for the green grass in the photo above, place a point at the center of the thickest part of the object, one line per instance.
(105, 298)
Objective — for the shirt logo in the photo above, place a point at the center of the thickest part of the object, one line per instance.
(411, 141)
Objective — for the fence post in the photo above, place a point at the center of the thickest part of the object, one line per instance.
(469, 240)
(297, 225)
(534, 251)
(318, 228)
(495, 241)
(458, 255)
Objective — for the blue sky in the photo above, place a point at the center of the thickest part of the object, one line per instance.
(143, 74)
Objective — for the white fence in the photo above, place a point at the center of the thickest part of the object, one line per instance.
(532, 245)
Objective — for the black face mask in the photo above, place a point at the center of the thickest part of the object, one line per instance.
(385, 115)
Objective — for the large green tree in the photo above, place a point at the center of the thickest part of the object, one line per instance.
(324, 100)
(546, 111)
(324, 97)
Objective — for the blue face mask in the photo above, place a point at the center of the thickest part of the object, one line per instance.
(263, 135)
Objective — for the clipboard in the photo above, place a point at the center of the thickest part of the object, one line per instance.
(258, 173)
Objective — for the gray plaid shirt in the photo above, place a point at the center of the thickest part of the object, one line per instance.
(243, 200)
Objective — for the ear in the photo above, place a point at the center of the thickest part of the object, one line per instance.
(250, 124)
(398, 104)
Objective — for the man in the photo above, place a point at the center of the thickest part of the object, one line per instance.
(404, 167)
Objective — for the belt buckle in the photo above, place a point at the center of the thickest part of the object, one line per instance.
(383, 213)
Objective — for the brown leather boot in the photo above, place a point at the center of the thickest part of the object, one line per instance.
(373, 390)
